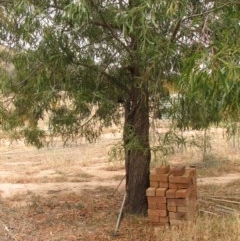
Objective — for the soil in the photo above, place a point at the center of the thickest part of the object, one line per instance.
(68, 193)
(75, 168)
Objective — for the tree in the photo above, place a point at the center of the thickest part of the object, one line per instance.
(77, 62)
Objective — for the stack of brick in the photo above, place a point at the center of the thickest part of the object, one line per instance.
(172, 195)
(156, 194)
(182, 194)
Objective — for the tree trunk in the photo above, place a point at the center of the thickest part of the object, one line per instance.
(137, 150)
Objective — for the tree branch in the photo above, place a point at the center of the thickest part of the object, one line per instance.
(109, 27)
(102, 71)
(176, 30)
(206, 12)
(178, 26)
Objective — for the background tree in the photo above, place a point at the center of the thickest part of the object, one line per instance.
(76, 62)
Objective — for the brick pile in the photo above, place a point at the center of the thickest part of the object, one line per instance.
(172, 195)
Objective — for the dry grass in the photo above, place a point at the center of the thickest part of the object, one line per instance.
(114, 167)
(217, 166)
(92, 216)
(206, 228)
(53, 176)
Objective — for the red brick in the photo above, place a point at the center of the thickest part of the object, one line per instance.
(178, 170)
(172, 208)
(186, 178)
(164, 219)
(173, 185)
(161, 192)
(161, 200)
(164, 177)
(157, 212)
(182, 193)
(154, 184)
(152, 202)
(152, 212)
(151, 192)
(179, 179)
(184, 185)
(163, 184)
(163, 213)
(170, 193)
(154, 218)
(159, 178)
(177, 202)
(162, 206)
(153, 177)
(163, 169)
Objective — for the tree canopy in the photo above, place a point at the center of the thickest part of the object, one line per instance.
(75, 62)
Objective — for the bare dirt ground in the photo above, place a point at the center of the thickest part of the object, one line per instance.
(75, 168)
(66, 193)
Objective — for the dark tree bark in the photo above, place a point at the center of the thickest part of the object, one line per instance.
(137, 149)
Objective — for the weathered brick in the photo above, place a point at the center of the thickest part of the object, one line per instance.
(154, 184)
(161, 200)
(153, 177)
(177, 201)
(179, 179)
(178, 170)
(152, 202)
(151, 192)
(170, 193)
(186, 178)
(159, 178)
(163, 184)
(173, 185)
(162, 206)
(164, 177)
(163, 213)
(161, 192)
(163, 169)
(164, 219)
(175, 197)
(182, 193)
(157, 212)
(183, 185)
(154, 218)
(172, 208)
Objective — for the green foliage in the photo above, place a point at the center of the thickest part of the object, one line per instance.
(74, 62)
(210, 79)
